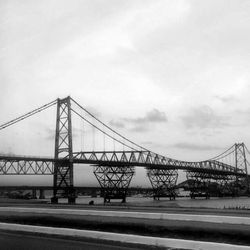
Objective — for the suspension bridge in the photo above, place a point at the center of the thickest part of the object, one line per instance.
(225, 174)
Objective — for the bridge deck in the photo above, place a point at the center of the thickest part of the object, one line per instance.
(45, 165)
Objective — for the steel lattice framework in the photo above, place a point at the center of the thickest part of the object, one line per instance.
(63, 172)
(199, 183)
(26, 166)
(152, 160)
(241, 162)
(203, 183)
(132, 158)
(163, 182)
(114, 181)
(115, 169)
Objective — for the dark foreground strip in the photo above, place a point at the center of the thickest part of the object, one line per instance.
(165, 243)
(22, 240)
(180, 230)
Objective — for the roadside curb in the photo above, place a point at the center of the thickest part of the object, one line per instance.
(123, 238)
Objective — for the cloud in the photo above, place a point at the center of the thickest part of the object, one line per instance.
(93, 111)
(50, 134)
(204, 117)
(140, 124)
(139, 128)
(192, 146)
(147, 142)
(10, 152)
(226, 99)
(243, 116)
(117, 55)
(245, 112)
(117, 124)
(153, 116)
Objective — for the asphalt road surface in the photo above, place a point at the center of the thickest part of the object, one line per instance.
(19, 241)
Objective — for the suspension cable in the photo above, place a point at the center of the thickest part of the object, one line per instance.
(93, 135)
(46, 106)
(222, 154)
(101, 130)
(104, 142)
(248, 153)
(82, 133)
(135, 144)
(33, 112)
(247, 149)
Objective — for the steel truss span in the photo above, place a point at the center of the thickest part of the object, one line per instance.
(129, 158)
(149, 159)
(26, 167)
(115, 169)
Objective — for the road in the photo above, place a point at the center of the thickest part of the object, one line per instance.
(237, 220)
(232, 227)
(136, 227)
(19, 241)
(141, 208)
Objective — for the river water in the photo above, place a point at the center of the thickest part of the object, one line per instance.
(221, 203)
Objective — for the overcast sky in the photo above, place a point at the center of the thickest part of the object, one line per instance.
(172, 76)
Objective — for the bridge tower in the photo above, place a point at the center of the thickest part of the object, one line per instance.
(241, 164)
(63, 171)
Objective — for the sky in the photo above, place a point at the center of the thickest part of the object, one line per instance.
(173, 76)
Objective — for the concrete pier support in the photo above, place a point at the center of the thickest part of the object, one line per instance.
(41, 194)
(34, 194)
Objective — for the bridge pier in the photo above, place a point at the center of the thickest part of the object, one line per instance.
(227, 185)
(198, 183)
(163, 182)
(68, 193)
(54, 200)
(41, 194)
(114, 181)
(34, 194)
